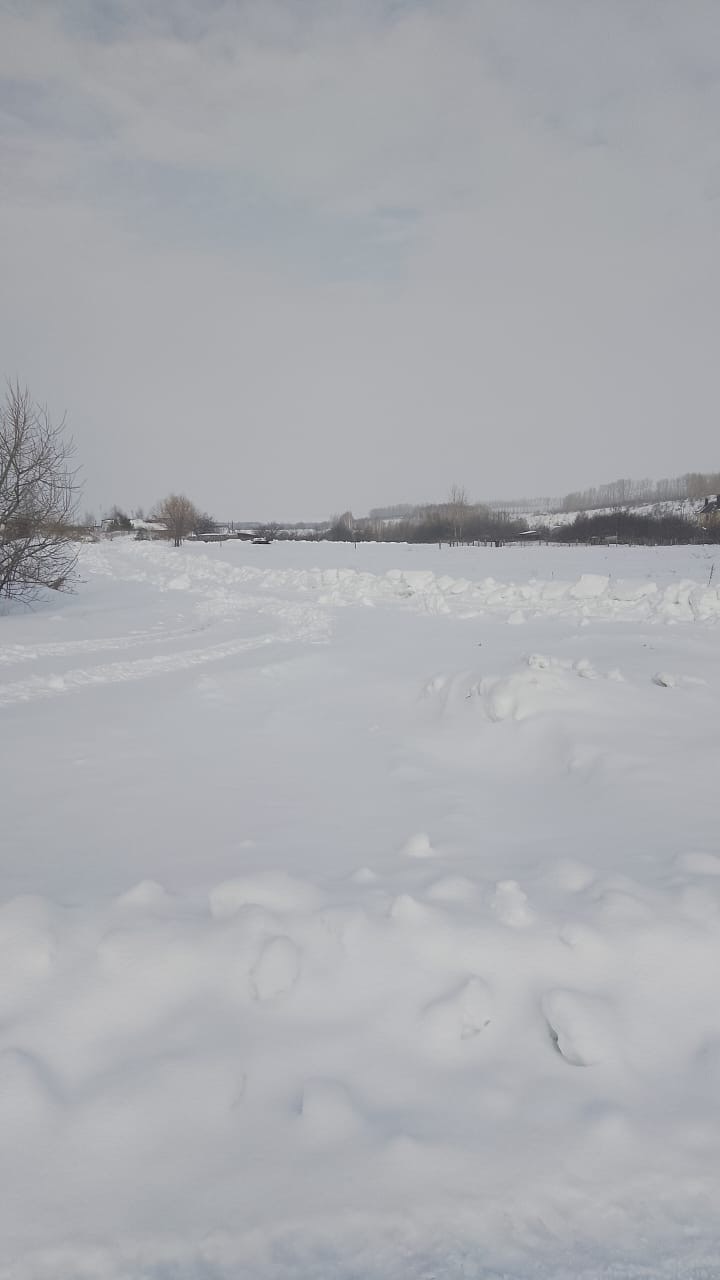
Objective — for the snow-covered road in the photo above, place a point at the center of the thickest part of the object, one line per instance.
(360, 915)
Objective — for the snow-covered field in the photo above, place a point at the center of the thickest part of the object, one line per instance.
(360, 916)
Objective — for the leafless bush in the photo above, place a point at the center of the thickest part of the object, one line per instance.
(268, 531)
(38, 498)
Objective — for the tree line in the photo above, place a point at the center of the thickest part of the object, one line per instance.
(438, 525)
(625, 493)
(662, 529)
(455, 520)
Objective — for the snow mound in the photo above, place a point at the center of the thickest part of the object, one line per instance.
(418, 846)
(272, 890)
(539, 685)
(511, 906)
(452, 889)
(148, 895)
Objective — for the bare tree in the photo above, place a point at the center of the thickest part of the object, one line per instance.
(269, 531)
(458, 511)
(204, 522)
(38, 498)
(342, 527)
(179, 515)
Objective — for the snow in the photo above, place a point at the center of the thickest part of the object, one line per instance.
(351, 926)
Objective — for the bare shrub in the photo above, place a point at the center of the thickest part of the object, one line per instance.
(39, 492)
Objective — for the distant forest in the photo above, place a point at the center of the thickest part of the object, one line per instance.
(626, 493)
(692, 486)
(480, 524)
(603, 513)
(630, 528)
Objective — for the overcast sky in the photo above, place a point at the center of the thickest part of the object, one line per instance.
(299, 256)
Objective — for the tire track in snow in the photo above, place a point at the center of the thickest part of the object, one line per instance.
(54, 685)
(14, 655)
(209, 612)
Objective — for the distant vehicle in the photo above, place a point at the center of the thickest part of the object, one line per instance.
(261, 542)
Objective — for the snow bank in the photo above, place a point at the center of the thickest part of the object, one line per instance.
(225, 585)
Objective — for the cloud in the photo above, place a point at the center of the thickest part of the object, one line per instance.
(363, 248)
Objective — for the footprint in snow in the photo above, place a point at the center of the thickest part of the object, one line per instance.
(276, 969)
(462, 1014)
(580, 1026)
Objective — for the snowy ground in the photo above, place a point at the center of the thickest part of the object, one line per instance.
(360, 916)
